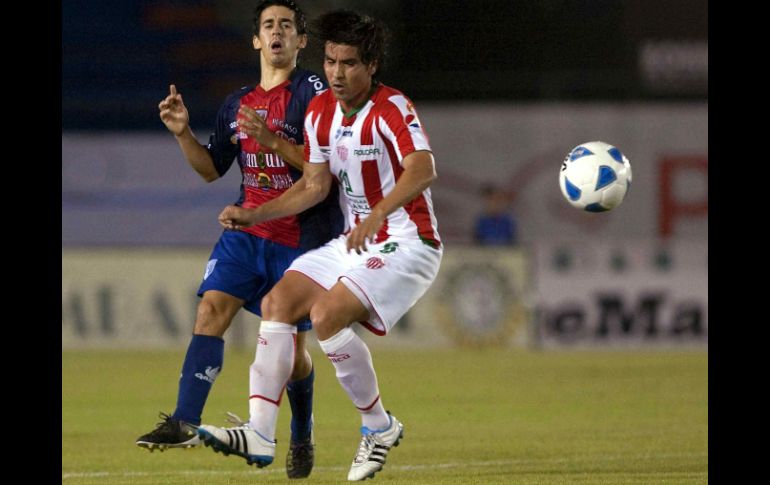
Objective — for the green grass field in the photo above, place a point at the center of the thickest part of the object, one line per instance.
(475, 416)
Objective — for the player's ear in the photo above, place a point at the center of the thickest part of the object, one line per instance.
(256, 43)
(373, 68)
(302, 41)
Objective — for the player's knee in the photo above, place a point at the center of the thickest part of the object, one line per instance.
(326, 321)
(210, 320)
(276, 307)
(269, 306)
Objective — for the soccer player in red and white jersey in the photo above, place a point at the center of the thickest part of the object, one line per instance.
(367, 138)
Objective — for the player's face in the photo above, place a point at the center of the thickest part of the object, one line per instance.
(278, 40)
(349, 78)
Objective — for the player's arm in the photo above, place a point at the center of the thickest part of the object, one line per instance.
(175, 116)
(255, 127)
(419, 172)
(309, 190)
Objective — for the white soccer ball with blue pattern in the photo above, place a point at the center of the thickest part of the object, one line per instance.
(595, 177)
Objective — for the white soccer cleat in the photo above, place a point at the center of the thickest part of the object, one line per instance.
(240, 440)
(374, 448)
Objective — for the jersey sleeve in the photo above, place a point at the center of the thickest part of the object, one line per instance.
(310, 86)
(399, 123)
(313, 148)
(305, 86)
(224, 144)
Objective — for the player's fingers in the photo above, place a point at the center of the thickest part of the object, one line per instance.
(168, 103)
(360, 242)
(251, 116)
(172, 90)
(246, 113)
(350, 243)
(353, 247)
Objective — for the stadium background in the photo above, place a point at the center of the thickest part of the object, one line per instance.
(504, 88)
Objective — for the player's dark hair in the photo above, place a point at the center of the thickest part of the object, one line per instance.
(299, 15)
(350, 28)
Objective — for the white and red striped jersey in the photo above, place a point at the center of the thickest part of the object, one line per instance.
(365, 152)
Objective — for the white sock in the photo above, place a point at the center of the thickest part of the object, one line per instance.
(353, 363)
(269, 374)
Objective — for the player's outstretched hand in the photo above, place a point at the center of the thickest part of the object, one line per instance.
(173, 112)
(236, 218)
(254, 126)
(365, 231)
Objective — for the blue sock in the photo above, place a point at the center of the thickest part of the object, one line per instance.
(301, 400)
(202, 364)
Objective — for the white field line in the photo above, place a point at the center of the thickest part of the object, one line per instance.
(465, 464)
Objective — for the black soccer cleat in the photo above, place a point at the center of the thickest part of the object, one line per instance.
(170, 433)
(300, 458)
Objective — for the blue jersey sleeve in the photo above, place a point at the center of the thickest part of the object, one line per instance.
(224, 144)
(304, 86)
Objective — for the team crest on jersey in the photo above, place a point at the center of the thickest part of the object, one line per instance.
(342, 152)
(375, 262)
(263, 181)
(261, 112)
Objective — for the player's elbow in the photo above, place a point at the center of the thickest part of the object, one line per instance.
(422, 167)
(432, 177)
(208, 173)
(318, 192)
(209, 176)
(429, 175)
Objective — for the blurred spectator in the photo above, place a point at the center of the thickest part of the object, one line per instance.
(495, 226)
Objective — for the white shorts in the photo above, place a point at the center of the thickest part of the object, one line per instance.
(388, 278)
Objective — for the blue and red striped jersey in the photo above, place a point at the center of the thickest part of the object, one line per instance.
(265, 175)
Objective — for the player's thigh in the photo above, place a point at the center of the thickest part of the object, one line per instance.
(291, 298)
(215, 312)
(237, 267)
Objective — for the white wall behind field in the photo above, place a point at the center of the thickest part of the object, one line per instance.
(136, 189)
(521, 149)
(552, 296)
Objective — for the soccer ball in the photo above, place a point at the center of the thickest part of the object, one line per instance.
(595, 177)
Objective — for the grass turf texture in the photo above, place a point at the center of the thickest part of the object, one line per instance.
(475, 416)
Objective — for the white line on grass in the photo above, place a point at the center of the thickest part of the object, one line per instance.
(519, 461)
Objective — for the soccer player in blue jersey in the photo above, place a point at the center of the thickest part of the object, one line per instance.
(261, 127)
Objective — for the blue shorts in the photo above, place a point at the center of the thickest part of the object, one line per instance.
(247, 267)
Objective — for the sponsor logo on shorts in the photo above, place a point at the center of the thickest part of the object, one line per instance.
(261, 340)
(375, 262)
(209, 268)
